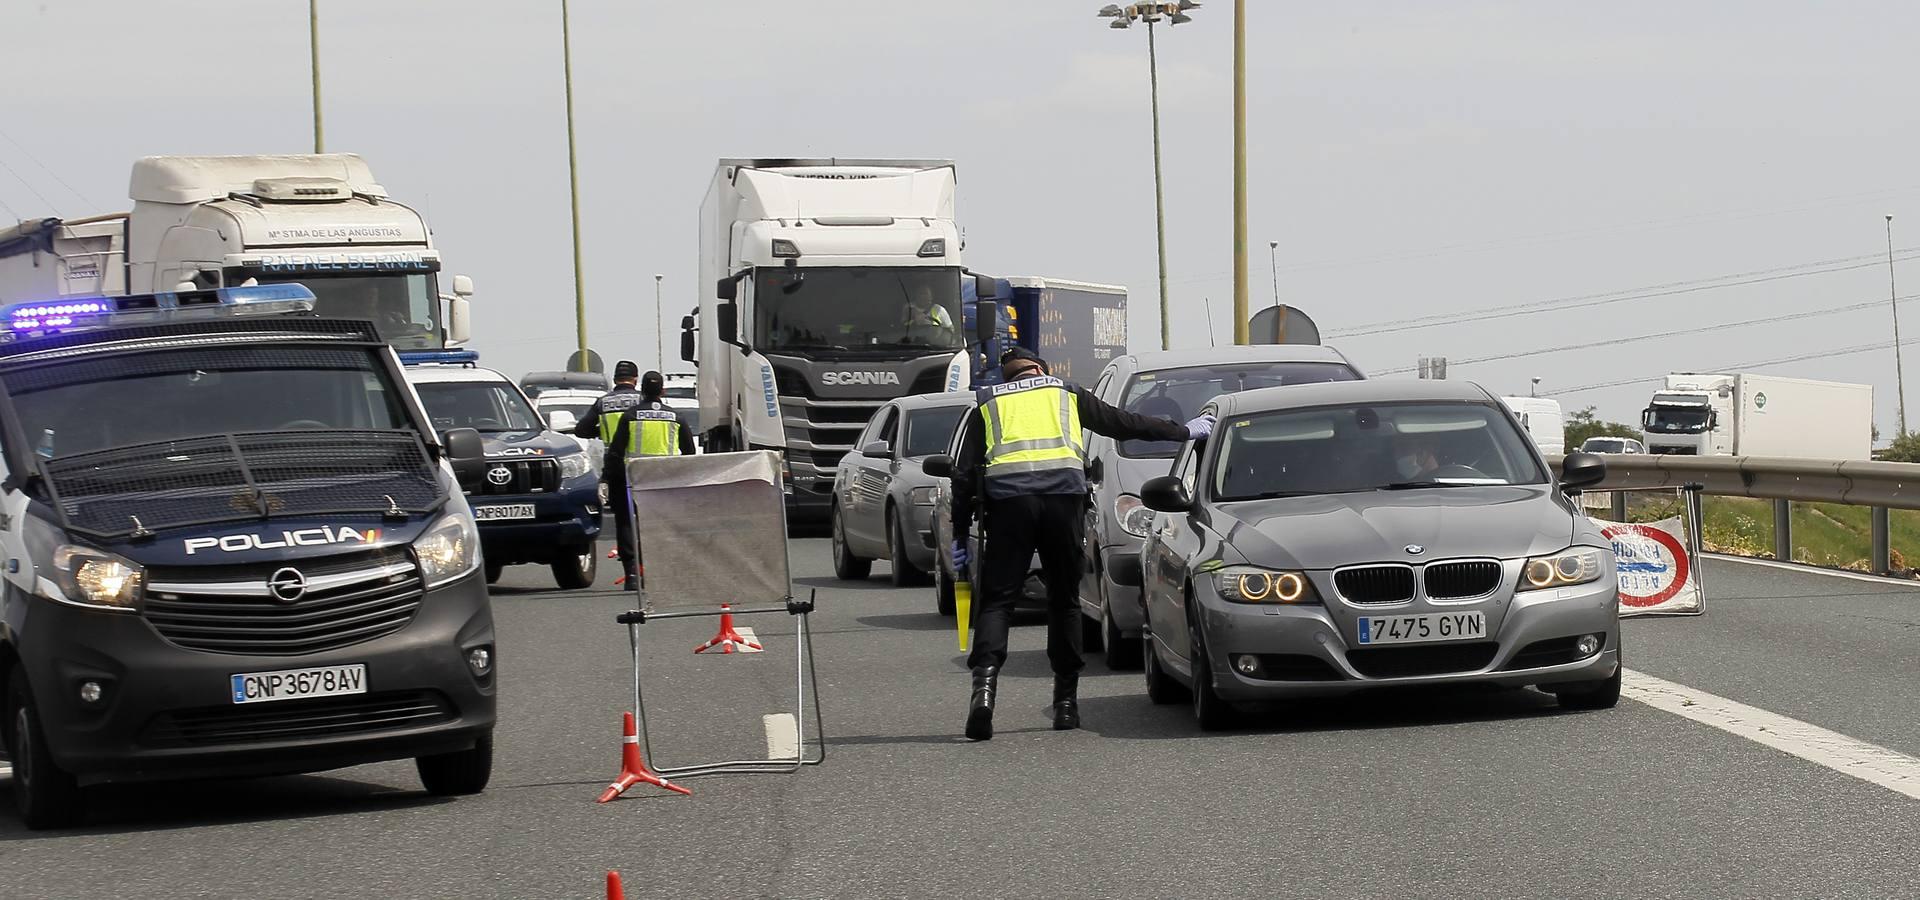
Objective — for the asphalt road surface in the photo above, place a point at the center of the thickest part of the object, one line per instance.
(1471, 795)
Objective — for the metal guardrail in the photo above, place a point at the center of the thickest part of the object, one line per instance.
(1879, 486)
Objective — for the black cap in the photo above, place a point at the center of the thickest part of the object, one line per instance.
(625, 370)
(652, 382)
(1021, 353)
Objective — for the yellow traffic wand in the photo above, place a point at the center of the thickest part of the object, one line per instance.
(963, 609)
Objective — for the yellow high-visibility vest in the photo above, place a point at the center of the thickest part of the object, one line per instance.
(653, 432)
(1032, 438)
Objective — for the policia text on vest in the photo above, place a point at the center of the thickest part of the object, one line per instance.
(1022, 462)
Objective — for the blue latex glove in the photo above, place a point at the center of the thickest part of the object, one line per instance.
(960, 558)
(1200, 427)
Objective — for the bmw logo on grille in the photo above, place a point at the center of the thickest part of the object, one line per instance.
(1415, 549)
(499, 475)
(287, 585)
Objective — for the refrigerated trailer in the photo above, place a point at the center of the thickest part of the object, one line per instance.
(1745, 414)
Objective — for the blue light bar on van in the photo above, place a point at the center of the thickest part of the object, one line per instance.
(74, 313)
(439, 357)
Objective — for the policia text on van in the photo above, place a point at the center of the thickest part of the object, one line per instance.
(231, 546)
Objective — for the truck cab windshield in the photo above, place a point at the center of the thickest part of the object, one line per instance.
(481, 406)
(404, 306)
(857, 308)
(1677, 419)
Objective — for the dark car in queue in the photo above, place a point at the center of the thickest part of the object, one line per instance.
(882, 501)
(1337, 537)
(1175, 385)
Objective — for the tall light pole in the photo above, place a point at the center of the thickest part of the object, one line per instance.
(573, 191)
(659, 343)
(1893, 297)
(313, 41)
(1240, 321)
(1124, 17)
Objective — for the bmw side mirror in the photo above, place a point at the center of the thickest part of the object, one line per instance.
(877, 450)
(1581, 470)
(466, 454)
(1166, 494)
(939, 465)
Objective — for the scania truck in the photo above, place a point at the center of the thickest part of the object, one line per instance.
(204, 222)
(236, 545)
(830, 287)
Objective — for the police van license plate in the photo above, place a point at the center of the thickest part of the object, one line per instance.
(1451, 626)
(506, 511)
(299, 684)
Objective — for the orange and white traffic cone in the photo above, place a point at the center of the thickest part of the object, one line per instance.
(728, 638)
(614, 889)
(633, 769)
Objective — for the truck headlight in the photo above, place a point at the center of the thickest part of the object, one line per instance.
(1134, 516)
(922, 496)
(574, 465)
(1577, 566)
(97, 578)
(449, 550)
(1251, 584)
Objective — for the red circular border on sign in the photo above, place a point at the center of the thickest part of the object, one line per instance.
(1660, 536)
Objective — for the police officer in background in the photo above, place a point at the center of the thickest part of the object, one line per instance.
(600, 421)
(649, 429)
(1022, 460)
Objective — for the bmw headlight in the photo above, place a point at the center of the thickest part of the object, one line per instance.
(1134, 516)
(574, 465)
(449, 550)
(922, 496)
(96, 578)
(1252, 584)
(1577, 566)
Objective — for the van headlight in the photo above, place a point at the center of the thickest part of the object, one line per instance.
(1251, 584)
(96, 578)
(1133, 515)
(1577, 566)
(449, 550)
(574, 465)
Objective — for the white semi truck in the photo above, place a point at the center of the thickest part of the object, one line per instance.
(829, 286)
(222, 221)
(1743, 414)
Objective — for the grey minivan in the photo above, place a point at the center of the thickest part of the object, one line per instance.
(882, 501)
(1173, 384)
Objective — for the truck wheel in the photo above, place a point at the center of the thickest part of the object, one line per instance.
(846, 566)
(460, 772)
(576, 572)
(904, 573)
(46, 796)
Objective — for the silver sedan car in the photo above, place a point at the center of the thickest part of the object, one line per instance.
(882, 500)
(1337, 537)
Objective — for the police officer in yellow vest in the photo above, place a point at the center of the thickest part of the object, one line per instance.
(1022, 451)
(648, 429)
(601, 420)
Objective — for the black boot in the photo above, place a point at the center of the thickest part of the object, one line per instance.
(1066, 702)
(986, 684)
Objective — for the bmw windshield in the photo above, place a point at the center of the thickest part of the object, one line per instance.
(856, 308)
(1346, 449)
(1178, 394)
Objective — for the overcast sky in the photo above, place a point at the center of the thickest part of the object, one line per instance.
(1411, 158)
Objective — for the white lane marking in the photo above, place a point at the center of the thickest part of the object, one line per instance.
(750, 637)
(1889, 769)
(783, 736)
(1812, 570)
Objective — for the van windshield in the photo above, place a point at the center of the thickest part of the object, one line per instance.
(70, 408)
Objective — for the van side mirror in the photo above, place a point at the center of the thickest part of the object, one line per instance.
(938, 465)
(1581, 470)
(1166, 494)
(467, 454)
(729, 315)
(986, 322)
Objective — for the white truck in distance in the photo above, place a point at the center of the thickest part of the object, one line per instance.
(829, 286)
(221, 221)
(1743, 414)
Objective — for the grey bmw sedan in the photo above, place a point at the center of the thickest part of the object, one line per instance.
(1335, 537)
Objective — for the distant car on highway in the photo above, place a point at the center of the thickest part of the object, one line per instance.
(882, 501)
(1337, 537)
(1612, 445)
(1173, 385)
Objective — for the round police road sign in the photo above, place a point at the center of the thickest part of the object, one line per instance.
(1652, 564)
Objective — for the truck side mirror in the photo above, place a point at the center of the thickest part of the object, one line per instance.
(986, 322)
(462, 286)
(459, 316)
(729, 315)
(984, 287)
(727, 288)
(467, 455)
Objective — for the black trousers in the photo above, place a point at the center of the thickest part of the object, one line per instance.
(622, 504)
(1016, 527)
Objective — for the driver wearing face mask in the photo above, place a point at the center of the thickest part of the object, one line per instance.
(1418, 456)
